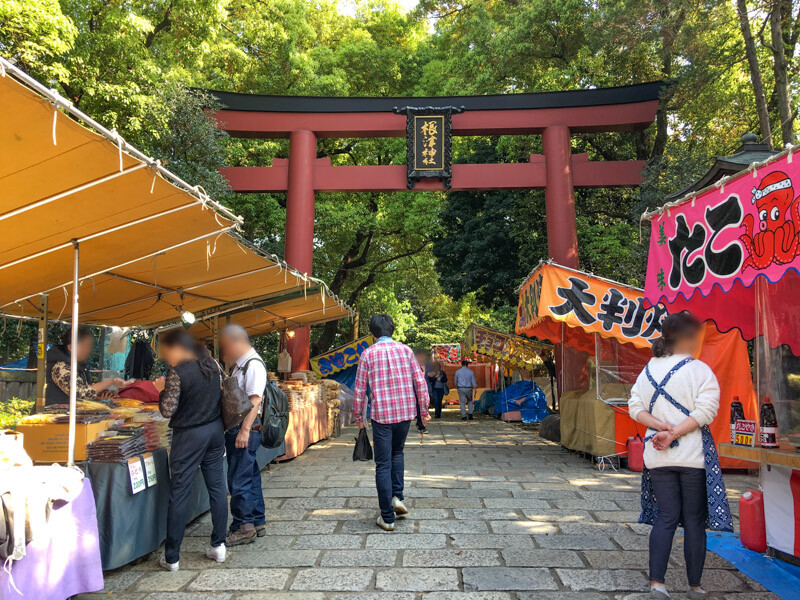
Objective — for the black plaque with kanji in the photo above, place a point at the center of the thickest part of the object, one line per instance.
(428, 143)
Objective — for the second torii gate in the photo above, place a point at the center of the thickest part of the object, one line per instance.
(554, 115)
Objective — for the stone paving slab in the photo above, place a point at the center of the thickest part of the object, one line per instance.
(508, 578)
(417, 580)
(496, 513)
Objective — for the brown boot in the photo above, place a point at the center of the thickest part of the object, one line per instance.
(246, 534)
(261, 530)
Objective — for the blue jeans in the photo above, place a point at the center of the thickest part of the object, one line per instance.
(681, 496)
(244, 480)
(388, 441)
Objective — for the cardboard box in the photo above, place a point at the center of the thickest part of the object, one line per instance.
(46, 442)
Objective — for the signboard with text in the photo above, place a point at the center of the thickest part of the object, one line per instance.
(744, 433)
(428, 143)
(340, 358)
(554, 295)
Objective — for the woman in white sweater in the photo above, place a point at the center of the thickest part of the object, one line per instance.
(675, 396)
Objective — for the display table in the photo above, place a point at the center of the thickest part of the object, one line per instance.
(64, 563)
(132, 525)
(785, 456)
(307, 426)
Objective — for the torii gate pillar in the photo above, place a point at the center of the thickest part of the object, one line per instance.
(562, 236)
(299, 242)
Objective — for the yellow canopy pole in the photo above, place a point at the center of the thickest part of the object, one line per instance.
(73, 358)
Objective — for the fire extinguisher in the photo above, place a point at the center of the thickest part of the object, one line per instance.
(636, 453)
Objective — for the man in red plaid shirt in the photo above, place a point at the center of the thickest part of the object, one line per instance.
(396, 384)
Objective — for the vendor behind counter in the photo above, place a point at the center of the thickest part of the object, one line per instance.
(58, 370)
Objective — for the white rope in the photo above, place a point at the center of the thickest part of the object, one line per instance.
(7, 568)
(2, 70)
(66, 300)
(789, 147)
(120, 141)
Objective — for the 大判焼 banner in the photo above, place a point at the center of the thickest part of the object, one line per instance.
(553, 296)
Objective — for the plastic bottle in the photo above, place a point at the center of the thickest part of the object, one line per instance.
(737, 414)
(752, 524)
(769, 425)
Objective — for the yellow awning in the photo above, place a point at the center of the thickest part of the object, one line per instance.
(61, 182)
(503, 347)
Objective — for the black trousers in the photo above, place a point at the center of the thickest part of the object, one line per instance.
(681, 496)
(200, 447)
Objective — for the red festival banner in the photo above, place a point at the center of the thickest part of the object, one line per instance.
(736, 244)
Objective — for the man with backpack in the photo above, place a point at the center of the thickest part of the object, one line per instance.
(242, 441)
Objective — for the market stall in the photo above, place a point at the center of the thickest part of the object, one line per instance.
(507, 352)
(611, 326)
(730, 253)
(449, 356)
(161, 250)
(340, 365)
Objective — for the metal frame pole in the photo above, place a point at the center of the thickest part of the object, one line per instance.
(73, 358)
(216, 337)
(41, 353)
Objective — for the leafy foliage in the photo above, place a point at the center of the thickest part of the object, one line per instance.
(432, 260)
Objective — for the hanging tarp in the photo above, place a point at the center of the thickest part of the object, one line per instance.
(715, 252)
(340, 358)
(64, 184)
(561, 304)
(502, 347)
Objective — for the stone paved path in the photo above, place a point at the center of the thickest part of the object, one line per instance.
(496, 514)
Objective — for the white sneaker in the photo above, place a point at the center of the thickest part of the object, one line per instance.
(216, 553)
(384, 525)
(167, 566)
(399, 508)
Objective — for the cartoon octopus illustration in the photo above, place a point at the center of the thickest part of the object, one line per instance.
(778, 237)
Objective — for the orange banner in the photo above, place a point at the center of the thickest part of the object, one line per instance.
(554, 295)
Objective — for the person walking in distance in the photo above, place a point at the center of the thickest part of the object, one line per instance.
(397, 385)
(466, 385)
(242, 441)
(437, 380)
(189, 397)
(422, 359)
(677, 397)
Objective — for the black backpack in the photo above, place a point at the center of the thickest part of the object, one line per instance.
(274, 412)
(275, 416)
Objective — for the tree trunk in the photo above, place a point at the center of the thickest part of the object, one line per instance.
(755, 72)
(780, 68)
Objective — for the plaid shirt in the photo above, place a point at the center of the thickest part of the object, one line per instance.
(393, 374)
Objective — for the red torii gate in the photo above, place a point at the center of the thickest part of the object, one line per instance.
(554, 115)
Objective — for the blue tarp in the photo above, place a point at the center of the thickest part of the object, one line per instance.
(524, 396)
(777, 576)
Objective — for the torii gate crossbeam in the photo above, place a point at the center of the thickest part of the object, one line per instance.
(554, 115)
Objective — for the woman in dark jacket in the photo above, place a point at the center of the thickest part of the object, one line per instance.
(190, 398)
(437, 380)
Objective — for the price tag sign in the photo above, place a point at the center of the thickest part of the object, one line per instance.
(744, 433)
(150, 469)
(136, 473)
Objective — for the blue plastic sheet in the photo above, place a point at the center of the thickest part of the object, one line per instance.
(524, 396)
(777, 576)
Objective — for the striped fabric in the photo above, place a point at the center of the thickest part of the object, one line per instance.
(396, 383)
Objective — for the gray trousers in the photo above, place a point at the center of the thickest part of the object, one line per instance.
(465, 400)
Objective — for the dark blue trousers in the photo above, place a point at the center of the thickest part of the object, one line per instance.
(202, 447)
(244, 480)
(388, 441)
(681, 497)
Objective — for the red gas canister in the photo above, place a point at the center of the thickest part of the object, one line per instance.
(636, 453)
(753, 527)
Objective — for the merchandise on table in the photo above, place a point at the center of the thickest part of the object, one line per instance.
(302, 390)
(116, 449)
(331, 391)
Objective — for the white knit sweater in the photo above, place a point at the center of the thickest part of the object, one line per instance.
(695, 387)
